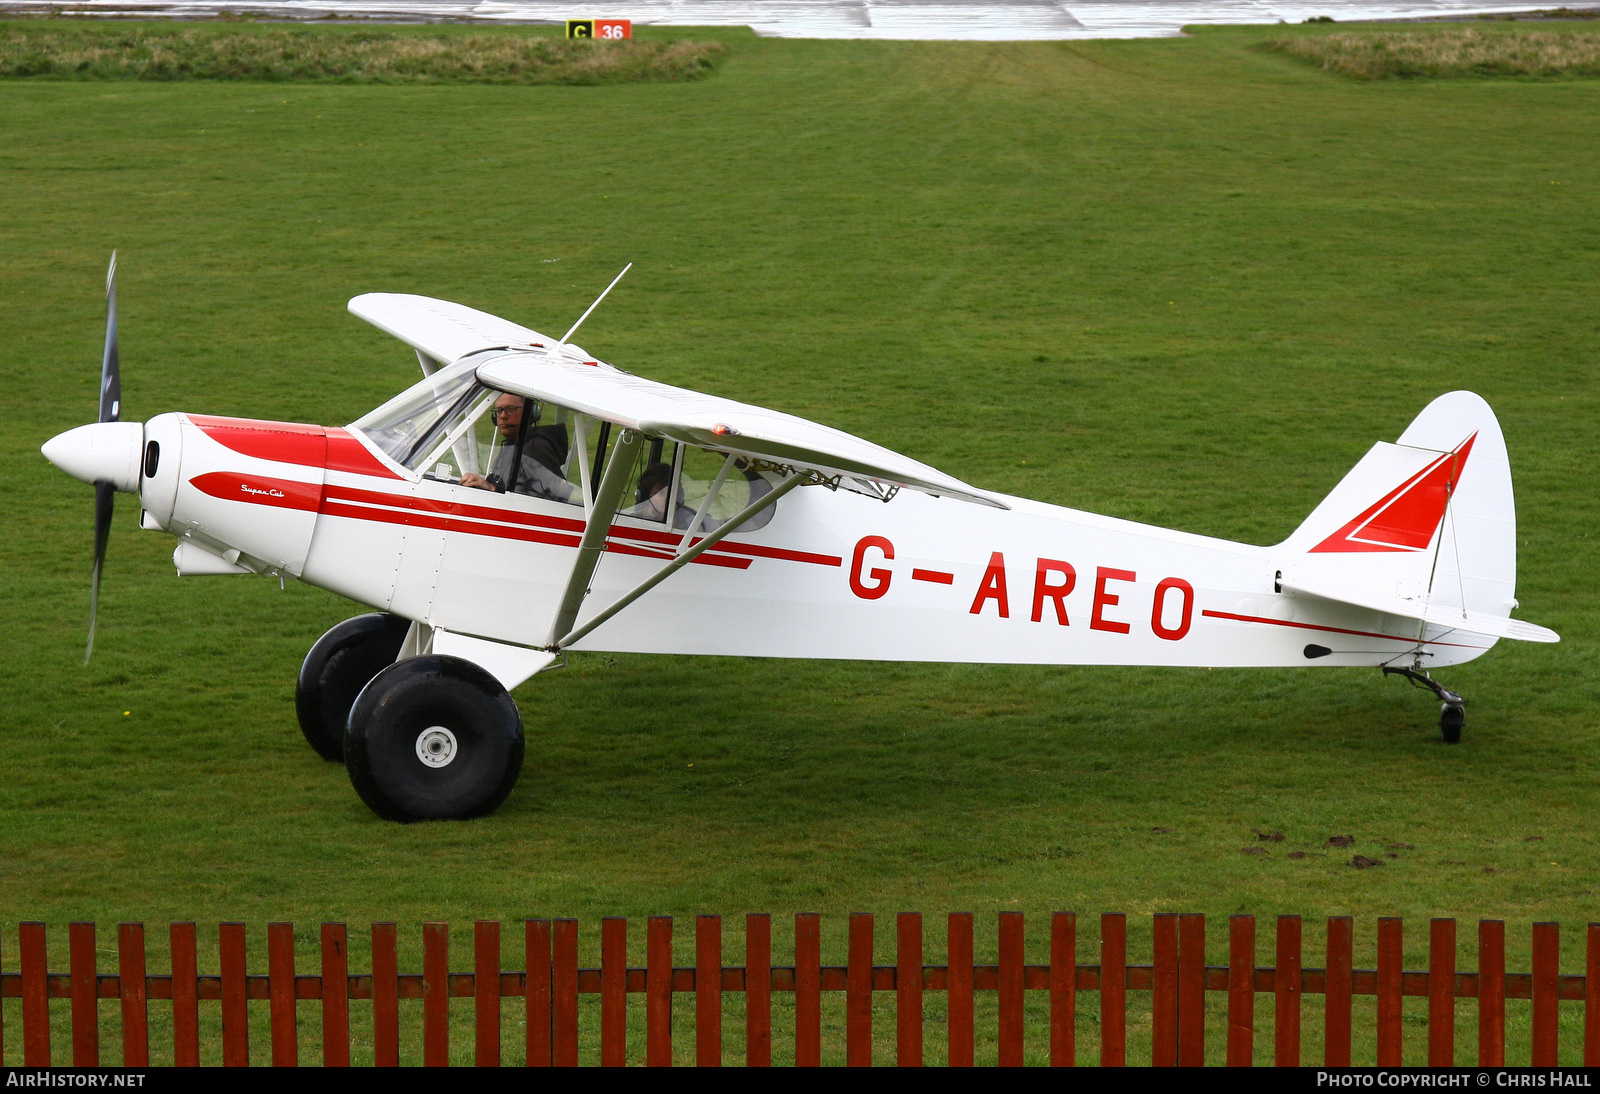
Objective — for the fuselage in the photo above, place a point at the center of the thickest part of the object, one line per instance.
(833, 575)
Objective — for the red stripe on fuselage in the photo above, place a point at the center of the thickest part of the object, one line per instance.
(414, 519)
(282, 442)
(1333, 630)
(345, 453)
(670, 541)
(667, 541)
(258, 490)
(461, 517)
(452, 508)
(338, 450)
(293, 442)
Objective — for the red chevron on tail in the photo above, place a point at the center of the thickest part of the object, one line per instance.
(1406, 518)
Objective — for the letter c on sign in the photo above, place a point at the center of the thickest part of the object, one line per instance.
(879, 576)
(1186, 590)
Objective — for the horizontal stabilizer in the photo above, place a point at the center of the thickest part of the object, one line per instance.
(1438, 615)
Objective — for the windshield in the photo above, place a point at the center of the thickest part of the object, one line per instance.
(410, 426)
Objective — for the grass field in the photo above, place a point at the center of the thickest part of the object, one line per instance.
(1180, 281)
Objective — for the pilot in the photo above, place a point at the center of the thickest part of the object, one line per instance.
(544, 449)
(656, 481)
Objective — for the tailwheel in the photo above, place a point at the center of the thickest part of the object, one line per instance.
(334, 672)
(433, 738)
(1453, 708)
(1452, 716)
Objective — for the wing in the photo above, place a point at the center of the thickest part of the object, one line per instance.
(441, 330)
(707, 421)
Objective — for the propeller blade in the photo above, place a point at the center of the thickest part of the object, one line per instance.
(104, 496)
(110, 410)
(110, 367)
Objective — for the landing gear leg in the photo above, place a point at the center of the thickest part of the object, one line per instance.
(1452, 712)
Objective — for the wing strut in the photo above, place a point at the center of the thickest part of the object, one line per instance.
(595, 527)
(796, 478)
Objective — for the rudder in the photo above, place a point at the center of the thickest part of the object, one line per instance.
(1428, 522)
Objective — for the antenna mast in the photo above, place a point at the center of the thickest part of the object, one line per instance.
(596, 303)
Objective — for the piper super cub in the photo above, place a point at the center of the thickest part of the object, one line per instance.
(525, 498)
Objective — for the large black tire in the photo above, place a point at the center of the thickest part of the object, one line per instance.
(335, 671)
(432, 738)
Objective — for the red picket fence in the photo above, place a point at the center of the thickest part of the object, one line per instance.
(551, 983)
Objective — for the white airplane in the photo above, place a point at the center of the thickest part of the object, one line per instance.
(525, 499)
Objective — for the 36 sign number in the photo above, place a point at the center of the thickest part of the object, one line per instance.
(612, 29)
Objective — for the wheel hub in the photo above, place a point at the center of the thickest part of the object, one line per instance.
(436, 746)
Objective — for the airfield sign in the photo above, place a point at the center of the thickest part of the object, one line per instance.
(611, 29)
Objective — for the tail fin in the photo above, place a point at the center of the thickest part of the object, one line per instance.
(1425, 528)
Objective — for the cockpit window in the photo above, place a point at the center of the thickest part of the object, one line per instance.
(522, 446)
(708, 489)
(452, 429)
(412, 426)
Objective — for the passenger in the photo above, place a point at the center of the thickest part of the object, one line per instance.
(544, 450)
(657, 480)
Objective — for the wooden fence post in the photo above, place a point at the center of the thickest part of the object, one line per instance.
(385, 995)
(1164, 991)
(1113, 990)
(135, 1006)
(486, 993)
(1442, 993)
(807, 990)
(613, 991)
(1191, 990)
(1013, 960)
(1286, 994)
(908, 990)
(435, 994)
(658, 991)
(1491, 993)
(280, 993)
(1546, 993)
(185, 996)
(1390, 955)
(235, 1005)
(758, 990)
(858, 992)
(335, 996)
(564, 994)
(958, 988)
(34, 968)
(708, 991)
(1337, 992)
(536, 992)
(1063, 989)
(1241, 990)
(85, 989)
